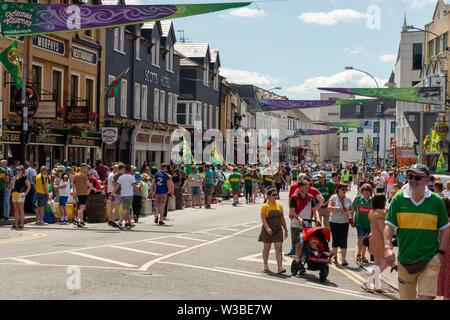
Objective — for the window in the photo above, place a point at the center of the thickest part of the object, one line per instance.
(205, 115)
(144, 103)
(379, 108)
(430, 48)
(438, 46)
(210, 117)
(138, 44)
(162, 109)
(182, 115)
(74, 89)
(174, 107)
(359, 144)
(217, 119)
(360, 130)
(111, 101)
(376, 144)
(169, 58)
(445, 41)
(57, 86)
(36, 76)
(156, 105)
(417, 56)
(89, 94)
(344, 144)
(376, 127)
(358, 109)
(206, 74)
(392, 126)
(415, 83)
(216, 79)
(123, 98)
(88, 33)
(169, 108)
(119, 36)
(137, 101)
(155, 52)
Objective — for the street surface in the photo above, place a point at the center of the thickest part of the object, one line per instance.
(198, 254)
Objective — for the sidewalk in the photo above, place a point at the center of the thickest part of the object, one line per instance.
(27, 219)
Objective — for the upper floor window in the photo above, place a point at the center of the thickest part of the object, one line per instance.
(206, 74)
(430, 48)
(138, 44)
(119, 38)
(216, 79)
(417, 56)
(155, 52)
(88, 33)
(344, 144)
(169, 58)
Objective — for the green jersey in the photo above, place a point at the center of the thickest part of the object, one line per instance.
(417, 226)
(362, 208)
(2, 178)
(327, 190)
(346, 177)
(235, 181)
(294, 173)
(248, 180)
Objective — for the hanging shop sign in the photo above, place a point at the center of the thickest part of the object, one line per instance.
(84, 55)
(48, 44)
(85, 142)
(47, 110)
(109, 135)
(77, 114)
(442, 129)
(31, 101)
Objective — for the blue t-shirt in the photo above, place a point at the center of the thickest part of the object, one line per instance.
(209, 174)
(288, 169)
(161, 182)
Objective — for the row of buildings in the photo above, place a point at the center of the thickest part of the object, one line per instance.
(169, 84)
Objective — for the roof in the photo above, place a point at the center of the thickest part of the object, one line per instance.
(111, 2)
(165, 27)
(192, 50)
(298, 114)
(148, 25)
(214, 54)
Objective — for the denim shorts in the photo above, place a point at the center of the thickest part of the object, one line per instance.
(63, 201)
(196, 191)
(42, 200)
(362, 232)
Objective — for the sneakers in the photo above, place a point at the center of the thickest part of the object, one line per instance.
(281, 270)
(161, 223)
(265, 268)
(128, 226)
(292, 253)
(156, 219)
(208, 206)
(234, 204)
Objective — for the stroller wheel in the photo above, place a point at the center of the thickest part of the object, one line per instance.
(323, 274)
(294, 268)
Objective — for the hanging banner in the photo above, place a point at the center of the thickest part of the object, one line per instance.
(109, 135)
(310, 132)
(349, 124)
(21, 19)
(429, 95)
(274, 105)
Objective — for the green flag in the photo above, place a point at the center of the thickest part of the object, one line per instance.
(216, 157)
(10, 59)
(440, 167)
(188, 158)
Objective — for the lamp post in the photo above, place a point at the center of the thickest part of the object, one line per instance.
(379, 114)
(351, 68)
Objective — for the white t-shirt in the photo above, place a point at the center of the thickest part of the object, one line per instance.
(379, 181)
(126, 185)
(110, 182)
(336, 216)
(66, 191)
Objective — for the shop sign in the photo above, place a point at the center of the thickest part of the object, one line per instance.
(84, 55)
(109, 135)
(47, 110)
(48, 44)
(76, 114)
(11, 137)
(141, 137)
(84, 142)
(31, 101)
(52, 139)
(158, 139)
(152, 77)
(406, 153)
(442, 129)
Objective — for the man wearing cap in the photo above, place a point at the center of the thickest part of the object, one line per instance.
(418, 214)
(327, 189)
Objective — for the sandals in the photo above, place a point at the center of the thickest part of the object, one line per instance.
(335, 260)
(344, 263)
(364, 260)
(366, 288)
(358, 258)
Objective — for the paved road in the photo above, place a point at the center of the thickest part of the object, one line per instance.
(199, 254)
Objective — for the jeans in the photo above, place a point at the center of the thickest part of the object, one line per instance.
(2, 192)
(7, 202)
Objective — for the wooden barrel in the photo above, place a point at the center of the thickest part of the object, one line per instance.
(188, 203)
(178, 198)
(147, 207)
(96, 208)
(171, 204)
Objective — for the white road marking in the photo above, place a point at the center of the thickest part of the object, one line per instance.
(194, 239)
(123, 264)
(208, 233)
(257, 257)
(26, 261)
(313, 286)
(136, 250)
(150, 263)
(230, 229)
(166, 244)
(236, 270)
(66, 265)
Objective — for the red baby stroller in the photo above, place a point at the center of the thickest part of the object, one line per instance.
(322, 236)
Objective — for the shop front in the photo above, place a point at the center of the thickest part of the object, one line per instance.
(81, 150)
(151, 146)
(46, 150)
(10, 145)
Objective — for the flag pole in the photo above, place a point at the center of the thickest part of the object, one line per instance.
(24, 130)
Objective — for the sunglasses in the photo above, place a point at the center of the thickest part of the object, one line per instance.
(273, 195)
(345, 190)
(413, 177)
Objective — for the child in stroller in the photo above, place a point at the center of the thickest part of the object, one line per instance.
(315, 253)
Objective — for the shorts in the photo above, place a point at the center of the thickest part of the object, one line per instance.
(127, 202)
(20, 200)
(161, 199)
(295, 235)
(196, 191)
(236, 192)
(362, 232)
(42, 200)
(339, 234)
(254, 184)
(207, 189)
(350, 178)
(82, 200)
(422, 283)
(267, 185)
(63, 201)
(117, 198)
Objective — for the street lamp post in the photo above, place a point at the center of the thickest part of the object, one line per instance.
(351, 68)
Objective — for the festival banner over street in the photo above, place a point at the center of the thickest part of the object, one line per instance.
(22, 19)
(348, 124)
(274, 105)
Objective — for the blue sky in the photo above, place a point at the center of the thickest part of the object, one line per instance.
(299, 45)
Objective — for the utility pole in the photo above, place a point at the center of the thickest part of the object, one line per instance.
(24, 132)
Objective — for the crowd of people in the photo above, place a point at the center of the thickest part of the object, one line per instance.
(408, 205)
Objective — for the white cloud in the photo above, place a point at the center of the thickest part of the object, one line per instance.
(345, 79)
(333, 17)
(247, 77)
(391, 58)
(244, 12)
(358, 50)
(419, 4)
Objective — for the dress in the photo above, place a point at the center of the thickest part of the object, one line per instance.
(274, 213)
(444, 275)
(376, 241)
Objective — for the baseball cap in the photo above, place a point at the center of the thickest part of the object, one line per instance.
(60, 170)
(68, 168)
(322, 174)
(419, 168)
(137, 177)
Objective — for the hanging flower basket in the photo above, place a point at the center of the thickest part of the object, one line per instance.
(83, 132)
(93, 115)
(44, 132)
